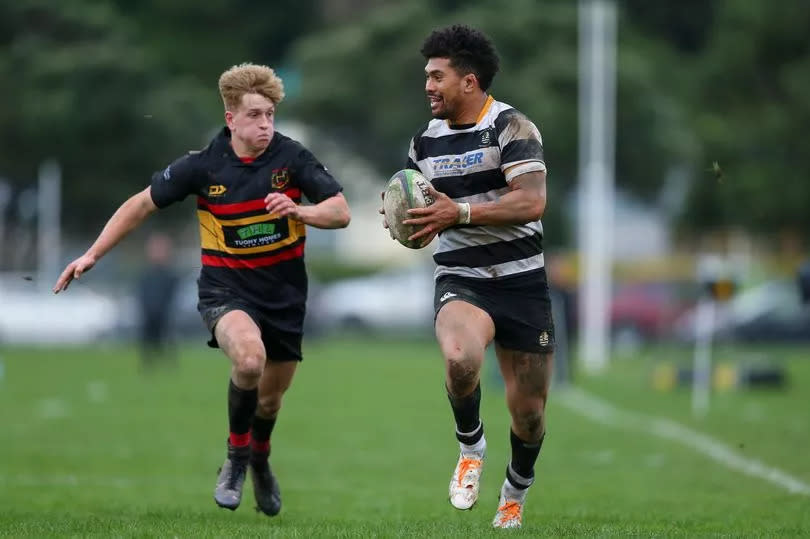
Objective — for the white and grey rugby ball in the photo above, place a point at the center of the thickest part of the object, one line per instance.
(406, 189)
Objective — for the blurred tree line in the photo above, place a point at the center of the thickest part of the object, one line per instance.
(116, 89)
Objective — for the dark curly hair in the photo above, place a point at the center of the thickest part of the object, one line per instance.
(469, 51)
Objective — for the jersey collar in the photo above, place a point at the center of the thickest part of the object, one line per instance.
(224, 142)
(484, 110)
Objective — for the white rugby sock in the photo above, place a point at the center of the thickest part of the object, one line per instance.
(509, 492)
(477, 447)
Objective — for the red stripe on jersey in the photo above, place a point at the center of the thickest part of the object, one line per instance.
(242, 207)
(229, 209)
(293, 193)
(221, 261)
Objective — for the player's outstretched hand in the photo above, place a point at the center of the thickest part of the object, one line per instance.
(443, 213)
(74, 270)
(281, 204)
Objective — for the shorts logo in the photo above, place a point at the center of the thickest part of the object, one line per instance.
(280, 178)
(167, 174)
(544, 339)
(446, 296)
(216, 190)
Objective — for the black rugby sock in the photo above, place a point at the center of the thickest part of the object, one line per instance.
(520, 472)
(241, 408)
(260, 434)
(465, 411)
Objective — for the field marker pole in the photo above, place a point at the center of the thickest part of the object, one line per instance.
(702, 369)
(49, 223)
(597, 133)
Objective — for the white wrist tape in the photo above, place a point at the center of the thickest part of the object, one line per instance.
(463, 213)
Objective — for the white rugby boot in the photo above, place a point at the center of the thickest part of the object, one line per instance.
(466, 480)
(510, 507)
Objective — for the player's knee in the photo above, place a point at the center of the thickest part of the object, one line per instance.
(249, 365)
(462, 375)
(530, 423)
(269, 404)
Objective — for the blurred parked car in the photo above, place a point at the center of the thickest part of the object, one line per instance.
(390, 301)
(30, 315)
(769, 312)
(645, 311)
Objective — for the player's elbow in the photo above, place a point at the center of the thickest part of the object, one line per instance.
(343, 215)
(535, 209)
(143, 204)
(344, 218)
(335, 212)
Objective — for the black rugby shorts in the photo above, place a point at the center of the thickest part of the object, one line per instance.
(279, 345)
(519, 306)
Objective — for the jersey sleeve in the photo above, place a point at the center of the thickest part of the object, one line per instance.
(520, 142)
(410, 161)
(176, 181)
(316, 182)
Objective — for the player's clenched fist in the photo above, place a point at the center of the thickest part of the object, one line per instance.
(281, 204)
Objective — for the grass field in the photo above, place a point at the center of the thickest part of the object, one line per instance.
(364, 447)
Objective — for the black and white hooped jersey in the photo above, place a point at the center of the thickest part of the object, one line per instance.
(468, 164)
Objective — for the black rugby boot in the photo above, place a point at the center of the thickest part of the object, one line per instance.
(265, 485)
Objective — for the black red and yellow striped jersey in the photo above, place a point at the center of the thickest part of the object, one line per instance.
(257, 256)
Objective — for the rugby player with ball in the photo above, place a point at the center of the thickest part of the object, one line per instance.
(481, 164)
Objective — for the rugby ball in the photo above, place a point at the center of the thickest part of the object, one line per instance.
(406, 189)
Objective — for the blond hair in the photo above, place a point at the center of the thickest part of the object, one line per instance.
(249, 79)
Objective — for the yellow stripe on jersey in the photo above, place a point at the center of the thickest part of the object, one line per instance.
(212, 237)
(487, 104)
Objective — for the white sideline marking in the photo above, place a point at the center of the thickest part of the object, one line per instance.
(603, 412)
